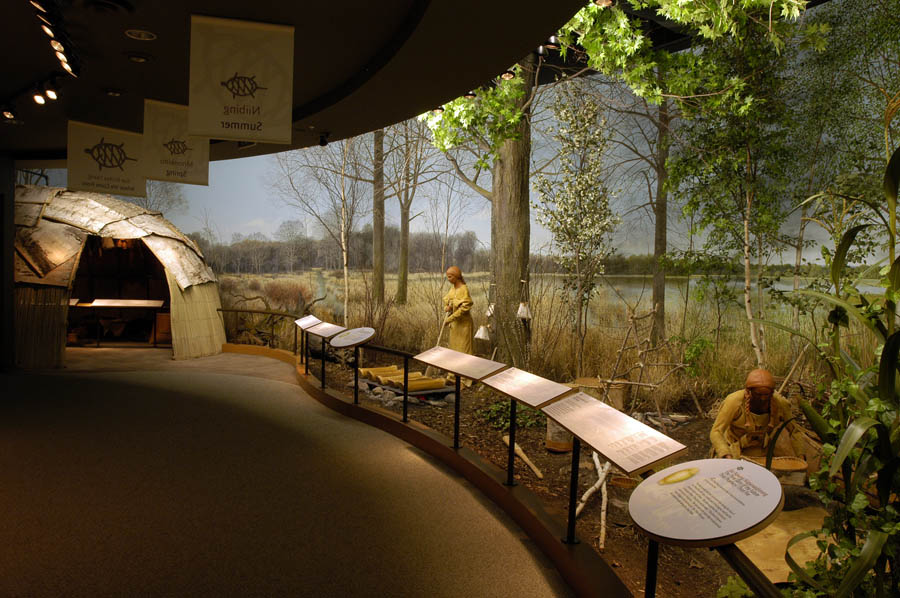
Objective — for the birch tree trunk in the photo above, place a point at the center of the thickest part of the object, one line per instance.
(660, 213)
(378, 217)
(345, 250)
(748, 307)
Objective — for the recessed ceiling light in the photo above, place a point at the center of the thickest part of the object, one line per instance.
(61, 57)
(141, 35)
(47, 30)
(9, 113)
(508, 75)
(38, 98)
(56, 45)
(37, 5)
(43, 19)
(138, 57)
(469, 95)
(113, 93)
(68, 68)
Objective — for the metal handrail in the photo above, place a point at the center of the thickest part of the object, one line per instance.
(731, 554)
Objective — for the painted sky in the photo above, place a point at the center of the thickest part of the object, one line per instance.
(239, 200)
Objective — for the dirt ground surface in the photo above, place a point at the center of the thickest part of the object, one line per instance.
(683, 572)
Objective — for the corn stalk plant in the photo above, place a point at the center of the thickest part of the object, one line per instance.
(859, 426)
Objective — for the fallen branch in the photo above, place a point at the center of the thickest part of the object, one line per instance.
(601, 543)
(521, 454)
(602, 470)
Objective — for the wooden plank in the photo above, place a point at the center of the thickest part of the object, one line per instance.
(145, 303)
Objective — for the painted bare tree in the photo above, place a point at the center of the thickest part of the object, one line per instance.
(410, 163)
(325, 184)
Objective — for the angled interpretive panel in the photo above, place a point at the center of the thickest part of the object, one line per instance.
(462, 364)
(526, 387)
(629, 444)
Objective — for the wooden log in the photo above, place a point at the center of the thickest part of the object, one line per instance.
(394, 379)
(521, 454)
(372, 373)
(426, 384)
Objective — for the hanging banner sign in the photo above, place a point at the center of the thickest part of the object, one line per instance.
(170, 154)
(242, 80)
(105, 160)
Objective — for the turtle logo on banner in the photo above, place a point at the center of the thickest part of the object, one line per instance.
(242, 86)
(108, 155)
(176, 147)
(242, 80)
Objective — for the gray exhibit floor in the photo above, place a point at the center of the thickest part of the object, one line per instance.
(193, 481)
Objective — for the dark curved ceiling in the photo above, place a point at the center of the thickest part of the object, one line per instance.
(358, 65)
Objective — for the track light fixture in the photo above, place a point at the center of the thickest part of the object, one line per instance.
(50, 89)
(552, 43)
(541, 51)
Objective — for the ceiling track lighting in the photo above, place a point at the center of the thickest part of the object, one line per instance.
(50, 89)
(51, 24)
(40, 92)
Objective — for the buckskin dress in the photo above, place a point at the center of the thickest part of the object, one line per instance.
(459, 319)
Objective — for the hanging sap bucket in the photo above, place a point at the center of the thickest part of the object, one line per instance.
(558, 439)
(524, 312)
(483, 333)
(618, 393)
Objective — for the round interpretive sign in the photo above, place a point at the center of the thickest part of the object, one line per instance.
(709, 502)
(352, 337)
